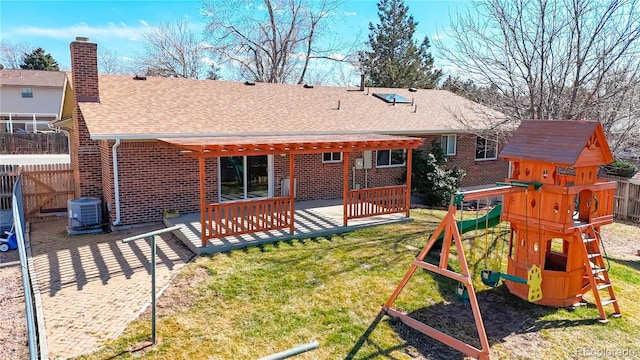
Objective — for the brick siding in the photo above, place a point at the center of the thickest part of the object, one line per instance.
(479, 172)
(154, 176)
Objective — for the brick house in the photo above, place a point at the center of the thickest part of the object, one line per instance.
(145, 144)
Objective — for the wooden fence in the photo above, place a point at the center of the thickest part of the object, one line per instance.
(39, 143)
(627, 200)
(45, 188)
(8, 177)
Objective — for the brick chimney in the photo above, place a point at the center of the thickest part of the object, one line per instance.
(84, 70)
(85, 153)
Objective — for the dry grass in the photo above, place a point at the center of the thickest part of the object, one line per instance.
(250, 303)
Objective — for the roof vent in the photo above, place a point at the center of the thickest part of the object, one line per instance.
(413, 89)
(139, 77)
(307, 86)
(250, 83)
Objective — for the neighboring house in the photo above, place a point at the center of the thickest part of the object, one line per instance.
(31, 99)
(148, 144)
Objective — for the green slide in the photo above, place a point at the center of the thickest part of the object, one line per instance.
(489, 220)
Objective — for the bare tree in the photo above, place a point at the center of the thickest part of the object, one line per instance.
(272, 40)
(12, 54)
(173, 50)
(109, 62)
(554, 59)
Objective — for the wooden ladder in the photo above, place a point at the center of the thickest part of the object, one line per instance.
(597, 274)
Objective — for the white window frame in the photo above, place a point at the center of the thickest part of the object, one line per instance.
(445, 142)
(404, 158)
(486, 141)
(332, 161)
(26, 90)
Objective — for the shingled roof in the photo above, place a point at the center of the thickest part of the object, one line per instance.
(20, 77)
(564, 143)
(167, 107)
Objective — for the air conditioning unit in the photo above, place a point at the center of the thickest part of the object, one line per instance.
(85, 213)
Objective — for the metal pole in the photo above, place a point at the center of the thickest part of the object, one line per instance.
(293, 351)
(153, 290)
(153, 234)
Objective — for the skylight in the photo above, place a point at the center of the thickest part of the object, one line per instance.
(391, 97)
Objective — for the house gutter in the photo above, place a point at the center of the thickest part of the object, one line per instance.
(116, 183)
(140, 137)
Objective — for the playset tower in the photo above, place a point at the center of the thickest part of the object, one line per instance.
(556, 221)
(555, 205)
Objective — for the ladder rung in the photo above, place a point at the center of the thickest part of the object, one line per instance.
(592, 255)
(603, 286)
(586, 240)
(598, 270)
(607, 302)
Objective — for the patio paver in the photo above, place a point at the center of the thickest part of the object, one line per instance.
(93, 285)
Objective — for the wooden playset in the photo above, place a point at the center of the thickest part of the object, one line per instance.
(555, 205)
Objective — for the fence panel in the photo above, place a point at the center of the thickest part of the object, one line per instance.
(38, 143)
(8, 177)
(47, 188)
(627, 200)
(633, 205)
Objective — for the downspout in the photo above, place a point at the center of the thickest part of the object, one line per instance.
(116, 185)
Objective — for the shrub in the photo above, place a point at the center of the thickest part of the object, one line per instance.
(431, 179)
(621, 168)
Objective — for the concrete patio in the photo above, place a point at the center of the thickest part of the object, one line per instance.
(316, 218)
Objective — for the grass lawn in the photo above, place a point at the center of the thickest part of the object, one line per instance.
(254, 302)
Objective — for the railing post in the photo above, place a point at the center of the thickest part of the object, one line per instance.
(345, 188)
(408, 190)
(292, 189)
(203, 206)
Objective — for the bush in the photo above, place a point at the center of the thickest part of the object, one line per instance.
(431, 179)
(621, 168)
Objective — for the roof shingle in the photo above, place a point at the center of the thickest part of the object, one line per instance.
(20, 77)
(167, 107)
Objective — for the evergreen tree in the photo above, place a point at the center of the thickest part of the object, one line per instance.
(38, 60)
(394, 59)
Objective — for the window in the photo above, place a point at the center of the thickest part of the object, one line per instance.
(27, 93)
(243, 177)
(392, 98)
(448, 144)
(486, 149)
(388, 158)
(332, 157)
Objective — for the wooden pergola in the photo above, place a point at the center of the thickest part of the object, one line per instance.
(249, 216)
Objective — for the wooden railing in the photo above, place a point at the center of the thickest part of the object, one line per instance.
(376, 201)
(245, 217)
(555, 206)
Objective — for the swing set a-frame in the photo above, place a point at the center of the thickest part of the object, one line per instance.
(450, 228)
(555, 206)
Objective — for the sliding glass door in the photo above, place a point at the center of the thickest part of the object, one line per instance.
(245, 177)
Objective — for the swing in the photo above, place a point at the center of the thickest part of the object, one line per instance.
(491, 278)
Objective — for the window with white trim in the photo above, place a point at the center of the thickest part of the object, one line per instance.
(448, 143)
(389, 158)
(486, 149)
(27, 92)
(332, 157)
